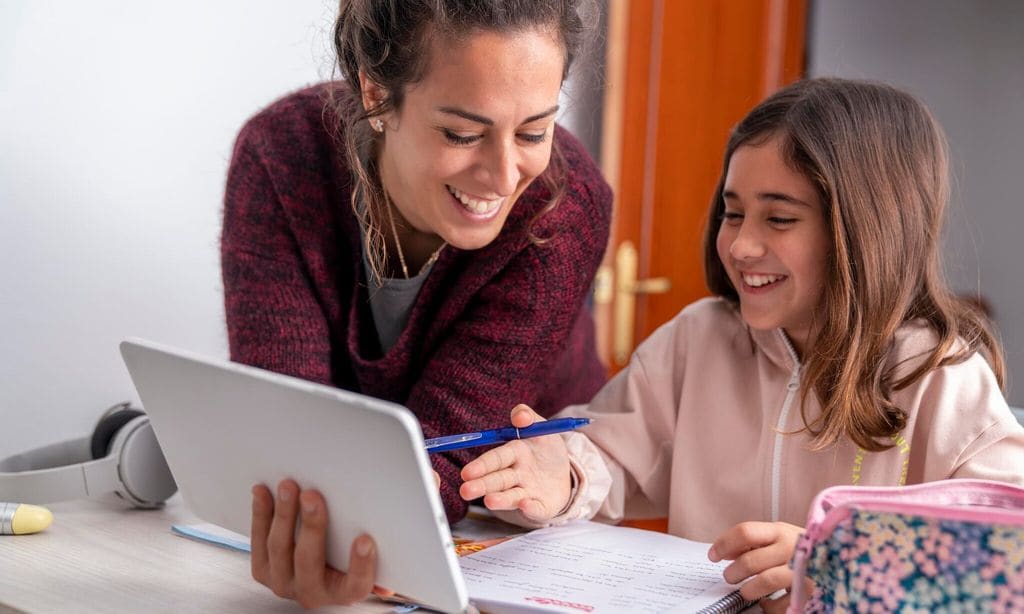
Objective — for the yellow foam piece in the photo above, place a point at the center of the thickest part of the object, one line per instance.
(30, 519)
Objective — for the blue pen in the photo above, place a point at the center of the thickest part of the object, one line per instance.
(509, 433)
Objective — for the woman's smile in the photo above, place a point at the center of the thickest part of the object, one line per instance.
(476, 207)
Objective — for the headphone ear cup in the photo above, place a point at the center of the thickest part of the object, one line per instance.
(103, 434)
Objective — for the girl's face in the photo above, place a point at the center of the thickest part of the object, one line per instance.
(472, 134)
(773, 241)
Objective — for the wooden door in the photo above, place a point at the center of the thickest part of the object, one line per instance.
(680, 74)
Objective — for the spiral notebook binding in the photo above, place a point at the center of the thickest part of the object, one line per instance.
(731, 603)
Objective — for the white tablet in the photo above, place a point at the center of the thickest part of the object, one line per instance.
(224, 427)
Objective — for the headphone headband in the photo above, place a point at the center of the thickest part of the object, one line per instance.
(134, 469)
(46, 457)
(60, 483)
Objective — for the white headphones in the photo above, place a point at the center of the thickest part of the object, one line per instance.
(121, 456)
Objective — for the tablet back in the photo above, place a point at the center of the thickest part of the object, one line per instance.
(224, 427)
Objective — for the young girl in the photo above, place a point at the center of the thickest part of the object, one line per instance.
(833, 352)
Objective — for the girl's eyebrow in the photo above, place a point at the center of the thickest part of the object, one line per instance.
(781, 196)
(480, 119)
(769, 196)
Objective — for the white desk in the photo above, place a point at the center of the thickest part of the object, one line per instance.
(105, 558)
(101, 558)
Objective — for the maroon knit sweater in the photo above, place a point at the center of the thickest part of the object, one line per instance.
(490, 327)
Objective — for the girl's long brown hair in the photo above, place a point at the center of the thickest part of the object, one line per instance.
(879, 162)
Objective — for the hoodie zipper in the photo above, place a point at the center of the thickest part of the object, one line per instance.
(791, 388)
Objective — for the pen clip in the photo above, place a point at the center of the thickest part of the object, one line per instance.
(441, 441)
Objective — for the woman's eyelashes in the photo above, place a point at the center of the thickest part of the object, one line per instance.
(534, 138)
(460, 139)
(455, 138)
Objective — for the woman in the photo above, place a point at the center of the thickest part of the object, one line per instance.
(422, 233)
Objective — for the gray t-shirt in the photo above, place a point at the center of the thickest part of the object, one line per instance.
(392, 301)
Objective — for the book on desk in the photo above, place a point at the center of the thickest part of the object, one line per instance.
(582, 566)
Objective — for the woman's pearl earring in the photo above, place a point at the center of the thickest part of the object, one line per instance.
(377, 124)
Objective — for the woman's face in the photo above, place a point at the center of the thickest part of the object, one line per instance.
(472, 134)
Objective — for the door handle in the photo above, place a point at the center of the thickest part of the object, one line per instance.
(627, 286)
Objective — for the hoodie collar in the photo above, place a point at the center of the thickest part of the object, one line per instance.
(776, 346)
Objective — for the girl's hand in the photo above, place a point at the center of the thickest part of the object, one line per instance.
(296, 567)
(531, 475)
(761, 550)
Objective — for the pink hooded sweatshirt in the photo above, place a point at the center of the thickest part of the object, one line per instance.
(702, 425)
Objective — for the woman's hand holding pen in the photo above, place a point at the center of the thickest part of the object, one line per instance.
(531, 475)
(295, 567)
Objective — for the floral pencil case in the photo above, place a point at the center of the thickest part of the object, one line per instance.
(954, 545)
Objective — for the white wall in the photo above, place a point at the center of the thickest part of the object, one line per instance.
(116, 125)
(966, 61)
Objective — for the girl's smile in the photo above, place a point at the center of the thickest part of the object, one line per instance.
(755, 283)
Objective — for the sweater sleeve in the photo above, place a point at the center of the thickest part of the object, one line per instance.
(966, 427)
(635, 417)
(273, 318)
(500, 351)
(997, 453)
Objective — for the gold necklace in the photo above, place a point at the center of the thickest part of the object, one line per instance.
(398, 244)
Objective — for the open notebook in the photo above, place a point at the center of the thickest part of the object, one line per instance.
(583, 567)
(593, 567)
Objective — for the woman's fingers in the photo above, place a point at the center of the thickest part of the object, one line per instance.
(357, 583)
(262, 514)
(311, 551)
(281, 539)
(295, 565)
